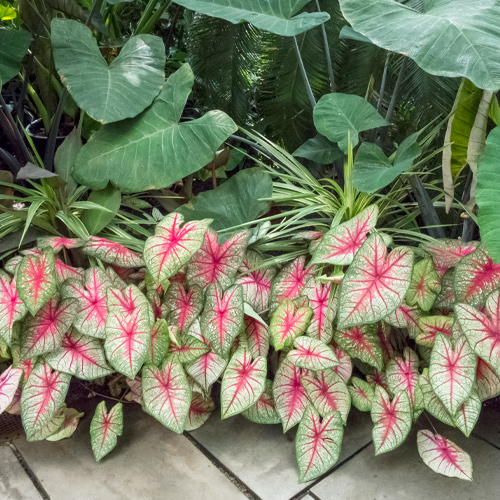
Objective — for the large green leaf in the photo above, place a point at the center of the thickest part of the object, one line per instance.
(153, 150)
(276, 16)
(319, 149)
(452, 38)
(13, 47)
(107, 93)
(95, 219)
(337, 116)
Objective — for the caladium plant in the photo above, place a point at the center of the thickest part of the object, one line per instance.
(391, 331)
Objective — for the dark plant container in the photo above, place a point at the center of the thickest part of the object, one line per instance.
(39, 136)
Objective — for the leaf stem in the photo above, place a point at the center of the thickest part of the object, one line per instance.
(327, 53)
(310, 94)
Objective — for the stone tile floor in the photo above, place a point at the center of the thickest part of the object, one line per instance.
(236, 459)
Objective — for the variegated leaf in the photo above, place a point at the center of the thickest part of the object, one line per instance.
(405, 316)
(402, 374)
(392, 420)
(81, 356)
(112, 252)
(9, 382)
(207, 369)
(71, 418)
(159, 343)
(105, 429)
(65, 272)
(257, 335)
(340, 244)
(183, 307)
(36, 279)
(57, 243)
(361, 394)
(425, 285)
(476, 276)
(468, 413)
(324, 306)
(243, 383)
(166, 393)
(447, 253)
(328, 392)
(488, 382)
(90, 295)
(287, 323)
(431, 402)
(384, 335)
(222, 317)
(263, 411)
(446, 297)
(128, 329)
(256, 283)
(50, 428)
(189, 349)
(12, 308)
(44, 332)
(201, 408)
(312, 354)
(173, 245)
(430, 326)
(452, 371)
(443, 456)
(42, 396)
(378, 379)
(289, 394)
(361, 342)
(375, 283)
(318, 443)
(217, 263)
(344, 369)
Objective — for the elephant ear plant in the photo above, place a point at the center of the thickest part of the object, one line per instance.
(403, 333)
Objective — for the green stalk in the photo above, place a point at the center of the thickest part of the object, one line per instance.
(150, 24)
(327, 53)
(310, 94)
(148, 11)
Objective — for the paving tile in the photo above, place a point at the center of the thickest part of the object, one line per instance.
(263, 458)
(488, 426)
(150, 462)
(14, 482)
(400, 474)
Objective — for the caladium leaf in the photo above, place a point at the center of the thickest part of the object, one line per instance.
(328, 392)
(384, 335)
(290, 282)
(361, 394)
(90, 295)
(128, 329)
(105, 429)
(243, 383)
(173, 245)
(256, 283)
(183, 307)
(71, 418)
(402, 373)
(189, 349)
(318, 443)
(9, 382)
(483, 329)
(340, 244)
(324, 306)
(11, 264)
(476, 276)
(392, 420)
(222, 317)
(50, 428)
(468, 413)
(374, 285)
(36, 280)
(167, 394)
(112, 252)
(405, 316)
(378, 379)
(431, 401)
(257, 337)
(431, 326)
(289, 394)
(12, 308)
(159, 343)
(264, 409)
(43, 395)
(361, 342)
(207, 369)
(57, 243)
(79, 355)
(44, 332)
(114, 277)
(447, 253)
(344, 368)
(312, 354)
(443, 456)
(446, 298)
(425, 285)
(214, 262)
(488, 382)
(452, 371)
(287, 323)
(201, 408)
(64, 272)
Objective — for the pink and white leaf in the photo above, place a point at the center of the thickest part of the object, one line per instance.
(375, 283)
(452, 371)
(361, 342)
(189, 349)
(71, 418)
(443, 456)
(446, 297)
(488, 382)
(431, 401)
(361, 394)
(50, 428)
(318, 443)
(12, 308)
(378, 379)
(128, 329)
(160, 340)
(324, 306)
(257, 337)
(344, 368)
(447, 253)
(243, 383)
(57, 243)
(405, 316)
(183, 307)
(200, 410)
(287, 323)
(341, 243)
(312, 354)
(167, 394)
(105, 429)
(64, 272)
(112, 252)
(430, 326)
(36, 280)
(9, 382)
(207, 369)
(263, 411)
(384, 335)
(468, 413)
(402, 373)
(425, 285)
(392, 420)
(173, 245)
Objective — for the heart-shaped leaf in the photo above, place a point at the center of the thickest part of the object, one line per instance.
(344, 369)
(9, 382)
(107, 93)
(65, 272)
(201, 408)
(488, 382)
(425, 285)
(431, 326)
(105, 429)
(361, 394)
(257, 337)
(264, 409)
(447, 253)
(431, 401)
(312, 354)
(324, 306)
(159, 343)
(159, 149)
(112, 252)
(189, 349)
(361, 342)
(207, 369)
(375, 283)
(405, 316)
(319, 149)
(12, 308)
(183, 307)
(402, 373)
(14, 45)
(57, 243)
(71, 418)
(287, 323)
(468, 413)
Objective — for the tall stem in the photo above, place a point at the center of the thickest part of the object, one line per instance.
(310, 94)
(382, 85)
(327, 53)
(392, 104)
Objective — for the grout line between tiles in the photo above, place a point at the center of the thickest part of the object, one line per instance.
(36, 483)
(486, 441)
(222, 468)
